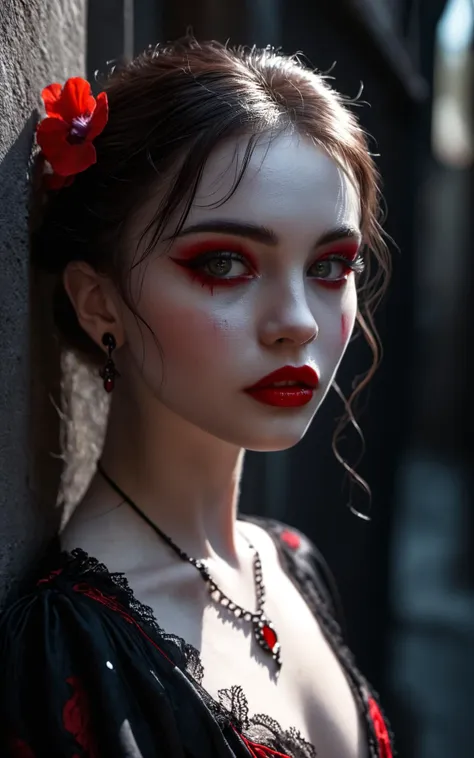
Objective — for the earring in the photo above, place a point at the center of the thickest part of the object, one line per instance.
(109, 372)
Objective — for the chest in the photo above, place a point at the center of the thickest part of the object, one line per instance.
(311, 692)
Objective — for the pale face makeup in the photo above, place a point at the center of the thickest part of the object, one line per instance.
(215, 338)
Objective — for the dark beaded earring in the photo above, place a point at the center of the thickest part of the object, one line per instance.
(109, 372)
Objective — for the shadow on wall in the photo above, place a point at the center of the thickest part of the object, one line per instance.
(27, 421)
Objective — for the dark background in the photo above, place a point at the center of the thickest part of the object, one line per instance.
(406, 577)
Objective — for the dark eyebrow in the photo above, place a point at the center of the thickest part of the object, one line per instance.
(262, 233)
(239, 229)
(340, 233)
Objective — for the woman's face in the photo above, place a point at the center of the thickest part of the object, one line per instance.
(248, 287)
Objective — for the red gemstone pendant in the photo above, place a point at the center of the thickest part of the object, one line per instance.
(267, 637)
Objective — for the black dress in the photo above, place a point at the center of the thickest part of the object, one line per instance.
(87, 672)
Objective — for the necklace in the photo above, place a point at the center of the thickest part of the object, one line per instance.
(263, 630)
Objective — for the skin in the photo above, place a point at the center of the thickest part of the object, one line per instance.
(180, 421)
(185, 404)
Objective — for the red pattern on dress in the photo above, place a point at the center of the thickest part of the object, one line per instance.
(51, 576)
(291, 539)
(381, 731)
(110, 602)
(77, 719)
(261, 751)
(19, 749)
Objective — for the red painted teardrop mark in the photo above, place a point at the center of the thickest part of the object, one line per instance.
(344, 328)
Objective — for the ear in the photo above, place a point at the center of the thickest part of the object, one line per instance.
(95, 300)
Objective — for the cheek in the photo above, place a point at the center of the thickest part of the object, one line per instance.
(189, 337)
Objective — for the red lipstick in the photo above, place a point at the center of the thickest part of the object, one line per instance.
(304, 381)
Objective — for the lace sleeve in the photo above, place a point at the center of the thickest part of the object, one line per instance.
(85, 672)
(74, 681)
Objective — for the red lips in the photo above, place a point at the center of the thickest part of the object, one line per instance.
(306, 381)
(305, 375)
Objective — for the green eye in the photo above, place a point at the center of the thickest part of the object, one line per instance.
(336, 267)
(323, 268)
(219, 266)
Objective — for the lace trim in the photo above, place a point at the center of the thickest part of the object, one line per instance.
(261, 728)
(183, 654)
(231, 707)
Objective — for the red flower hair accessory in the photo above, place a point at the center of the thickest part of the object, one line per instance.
(74, 119)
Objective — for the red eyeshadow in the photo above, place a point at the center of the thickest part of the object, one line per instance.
(349, 250)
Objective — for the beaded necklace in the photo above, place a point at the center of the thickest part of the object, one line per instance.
(263, 629)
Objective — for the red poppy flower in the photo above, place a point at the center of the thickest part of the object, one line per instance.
(381, 731)
(74, 119)
(291, 539)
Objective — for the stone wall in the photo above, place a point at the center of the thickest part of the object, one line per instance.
(41, 41)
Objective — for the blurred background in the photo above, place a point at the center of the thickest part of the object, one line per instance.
(406, 577)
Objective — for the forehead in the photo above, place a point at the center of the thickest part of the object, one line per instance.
(290, 185)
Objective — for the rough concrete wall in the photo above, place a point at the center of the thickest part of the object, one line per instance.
(41, 41)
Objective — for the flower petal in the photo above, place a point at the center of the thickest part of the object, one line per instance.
(76, 99)
(65, 158)
(51, 95)
(73, 159)
(51, 136)
(57, 182)
(100, 117)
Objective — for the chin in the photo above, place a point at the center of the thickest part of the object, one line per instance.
(276, 440)
(251, 432)
(280, 431)
(274, 446)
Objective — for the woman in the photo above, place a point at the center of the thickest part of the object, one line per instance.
(209, 219)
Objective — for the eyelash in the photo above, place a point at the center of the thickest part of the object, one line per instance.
(357, 266)
(196, 266)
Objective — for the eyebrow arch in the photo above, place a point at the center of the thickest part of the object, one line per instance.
(263, 234)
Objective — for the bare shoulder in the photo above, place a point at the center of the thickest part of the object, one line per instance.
(261, 540)
(104, 533)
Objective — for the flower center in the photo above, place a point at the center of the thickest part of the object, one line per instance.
(79, 128)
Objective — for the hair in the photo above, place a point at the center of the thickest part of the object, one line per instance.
(168, 110)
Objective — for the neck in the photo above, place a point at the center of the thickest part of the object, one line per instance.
(185, 480)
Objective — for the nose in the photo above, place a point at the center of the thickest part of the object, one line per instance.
(289, 320)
